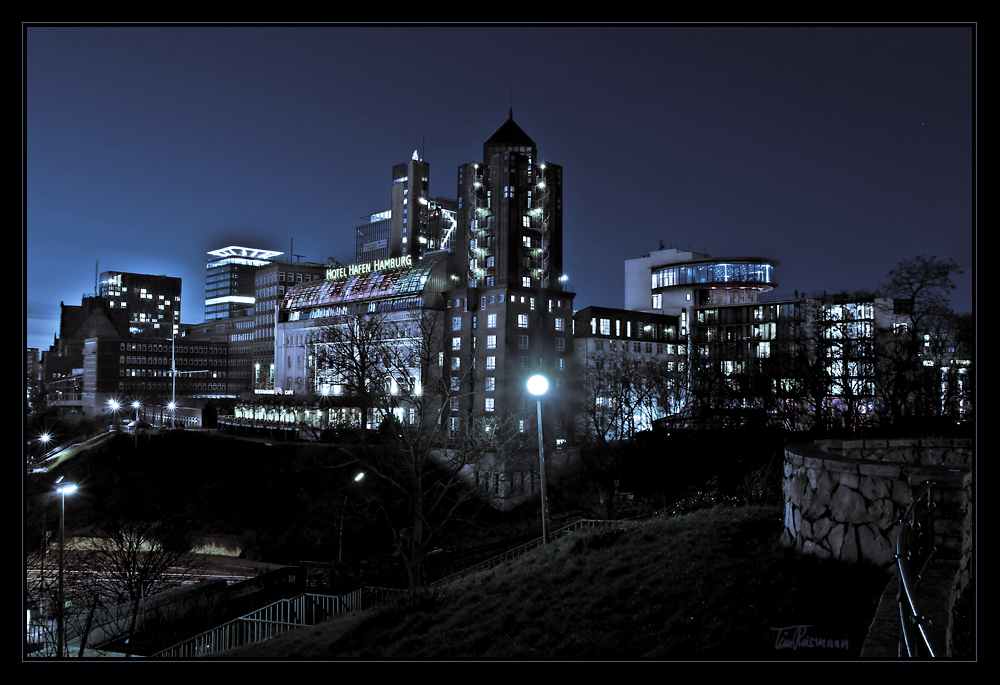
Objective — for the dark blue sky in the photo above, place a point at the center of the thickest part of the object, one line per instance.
(837, 150)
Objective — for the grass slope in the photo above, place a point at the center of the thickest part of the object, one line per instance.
(710, 585)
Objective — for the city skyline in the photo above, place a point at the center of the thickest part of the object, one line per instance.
(837, 151)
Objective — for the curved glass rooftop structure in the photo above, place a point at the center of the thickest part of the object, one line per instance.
(751, 272)
(385, 289)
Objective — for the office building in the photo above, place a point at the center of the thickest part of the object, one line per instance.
(414, 223)
(271, 282)
(230, 279)
(630, 371)
(756, 358)
(150, 303)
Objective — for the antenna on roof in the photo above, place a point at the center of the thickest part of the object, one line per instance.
(511, 103)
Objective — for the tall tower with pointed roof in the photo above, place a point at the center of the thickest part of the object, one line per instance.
(509, 316)
(509, 215)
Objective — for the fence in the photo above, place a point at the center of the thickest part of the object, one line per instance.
(515, 552)
(914, 549)
(275, 619)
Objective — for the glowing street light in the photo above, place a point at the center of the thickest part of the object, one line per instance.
(62, 489)
(135, 430)
(538, 385)
(343, 508)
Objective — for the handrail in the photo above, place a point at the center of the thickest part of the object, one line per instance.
(521, 549)
(917, 530)
(267, 622)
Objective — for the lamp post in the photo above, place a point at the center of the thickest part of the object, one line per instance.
(538, 385)
(44, 439)
(343, 509)
(114, 406)
(135, 430)
(62, 489)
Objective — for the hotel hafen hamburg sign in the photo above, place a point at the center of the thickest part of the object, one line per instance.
(333, 274)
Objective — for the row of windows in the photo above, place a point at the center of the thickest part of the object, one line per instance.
(286, 277)
(501, 298)
(522, 343)
(179, 349)
(559, 323)
(165, 361)
(638, 347)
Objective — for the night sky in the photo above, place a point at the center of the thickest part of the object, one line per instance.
(836, 150)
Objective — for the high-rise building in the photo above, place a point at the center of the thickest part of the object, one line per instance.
(372, 237)
(230, 279)
(413, 225)
(151, 304)
(509, 315)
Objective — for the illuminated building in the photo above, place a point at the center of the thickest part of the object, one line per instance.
(229, 279)
(271, 282)
(124, 370)
(509, 314)
(151, 304)
(630, 370)
(400, 289)
(815, 356)
(413, 225)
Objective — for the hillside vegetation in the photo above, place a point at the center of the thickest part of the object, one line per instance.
(709, 585)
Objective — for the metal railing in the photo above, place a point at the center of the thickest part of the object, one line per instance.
(914, 550)
(275, 619)
(515, 552)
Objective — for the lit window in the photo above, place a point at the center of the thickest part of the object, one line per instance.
(491, 342)
(491, 363)
(522, 320)
(456, 343)
(526, 281)
(456, 323)
(456, 363)
(491, 320)
(490, 403)
(560, 325)
(491, 383)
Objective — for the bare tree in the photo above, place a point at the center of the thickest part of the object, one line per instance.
(137, 557)
(419, 459)
(908, 355)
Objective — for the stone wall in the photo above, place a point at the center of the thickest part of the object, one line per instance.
(845, 499)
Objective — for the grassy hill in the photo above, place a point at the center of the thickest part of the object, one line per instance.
(709, 585)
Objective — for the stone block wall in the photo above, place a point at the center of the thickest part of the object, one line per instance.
(845, 499)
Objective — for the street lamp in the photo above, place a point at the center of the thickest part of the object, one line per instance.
(343, 508)
(538, 385)
(44, 439)
(62, 489)
(135, 430)
(114, 406)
